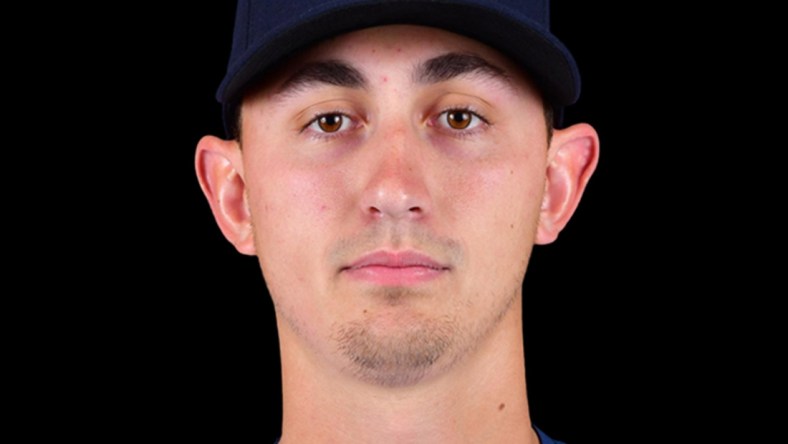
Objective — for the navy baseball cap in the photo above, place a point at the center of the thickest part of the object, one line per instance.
(268, 31)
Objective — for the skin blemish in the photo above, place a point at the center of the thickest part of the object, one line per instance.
(511, 226)
(385, 79)
(501, 407)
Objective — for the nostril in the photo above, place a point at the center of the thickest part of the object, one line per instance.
(374, 210)
(415, 212)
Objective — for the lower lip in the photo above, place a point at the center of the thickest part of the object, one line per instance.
(395, 276)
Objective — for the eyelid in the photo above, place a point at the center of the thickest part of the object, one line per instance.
(353, 120)
(439, 117)
(466, 109)
(316, 116)
(316, 107)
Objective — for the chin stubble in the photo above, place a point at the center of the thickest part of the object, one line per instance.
(397, 358)
(405, 356)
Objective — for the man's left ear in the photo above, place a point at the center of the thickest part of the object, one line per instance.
(572, 158)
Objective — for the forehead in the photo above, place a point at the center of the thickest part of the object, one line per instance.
(395, 50)
(390, 40)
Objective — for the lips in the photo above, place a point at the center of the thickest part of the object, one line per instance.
(388, 268)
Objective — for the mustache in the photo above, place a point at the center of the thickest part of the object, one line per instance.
(396, 237)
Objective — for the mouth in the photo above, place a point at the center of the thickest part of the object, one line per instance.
(387, 268)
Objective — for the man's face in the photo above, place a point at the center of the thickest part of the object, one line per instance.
(394, 178)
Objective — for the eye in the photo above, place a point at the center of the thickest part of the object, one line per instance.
(330, 123)
(459, 119)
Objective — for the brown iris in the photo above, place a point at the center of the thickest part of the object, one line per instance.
(458, 119)
(330, 123)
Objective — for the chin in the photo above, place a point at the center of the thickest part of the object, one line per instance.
(397, 349)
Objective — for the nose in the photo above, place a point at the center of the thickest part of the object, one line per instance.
(396, 188)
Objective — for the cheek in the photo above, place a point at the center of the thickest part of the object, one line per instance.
(293, 201)
(503, 190)
(496, 204)
(292, 205)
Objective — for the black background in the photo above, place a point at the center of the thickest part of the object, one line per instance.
(198, 353)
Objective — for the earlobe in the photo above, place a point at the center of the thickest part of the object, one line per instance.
(220, 172)
(572, 159)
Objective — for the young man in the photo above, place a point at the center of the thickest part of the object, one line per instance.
(392, 164)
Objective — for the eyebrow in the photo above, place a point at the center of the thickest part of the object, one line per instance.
(448, 66)
(435, 70)
(331, 72)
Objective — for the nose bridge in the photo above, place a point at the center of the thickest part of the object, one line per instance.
(397, 187)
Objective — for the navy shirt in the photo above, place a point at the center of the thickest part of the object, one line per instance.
(544, 439)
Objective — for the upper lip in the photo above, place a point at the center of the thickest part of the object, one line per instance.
(396, 259)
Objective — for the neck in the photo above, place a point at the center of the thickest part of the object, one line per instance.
(480, 399)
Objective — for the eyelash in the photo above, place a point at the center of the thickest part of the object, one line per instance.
(433, 122)
(462, 109)
(325, 135)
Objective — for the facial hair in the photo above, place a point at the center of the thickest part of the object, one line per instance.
(396, 358)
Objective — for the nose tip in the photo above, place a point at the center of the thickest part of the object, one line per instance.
(396, 190)
(390, 207)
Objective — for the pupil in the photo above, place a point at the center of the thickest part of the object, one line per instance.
(331, 122)
(459, 120)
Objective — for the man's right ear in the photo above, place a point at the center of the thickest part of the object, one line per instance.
(219, 166)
